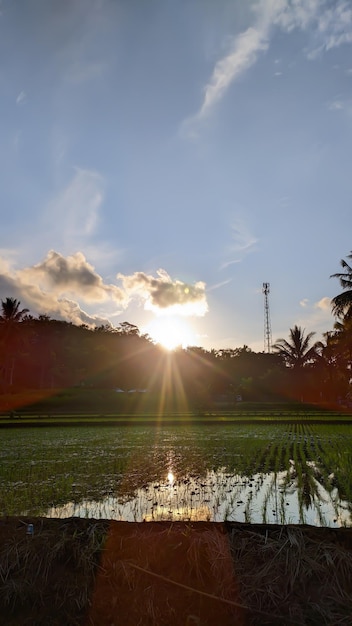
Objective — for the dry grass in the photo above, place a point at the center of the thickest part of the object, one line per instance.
(291, 573)
(167, 574)
(51, 573)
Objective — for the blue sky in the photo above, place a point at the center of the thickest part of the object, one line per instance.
(161, 160)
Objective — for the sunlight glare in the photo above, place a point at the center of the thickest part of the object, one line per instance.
(171, 332)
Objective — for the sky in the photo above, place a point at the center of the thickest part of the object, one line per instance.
(160, 160)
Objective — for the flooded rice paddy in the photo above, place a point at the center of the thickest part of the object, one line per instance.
(297, 473)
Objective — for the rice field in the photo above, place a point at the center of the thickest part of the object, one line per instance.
(260, 473)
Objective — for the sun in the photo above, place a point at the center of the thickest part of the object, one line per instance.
(170, 332)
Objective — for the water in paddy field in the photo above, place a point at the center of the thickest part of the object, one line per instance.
(218, 496)
(259, 474)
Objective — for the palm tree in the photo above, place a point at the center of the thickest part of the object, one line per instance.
(342, 303)
(11, 315)
(11, 310)
(298, 351)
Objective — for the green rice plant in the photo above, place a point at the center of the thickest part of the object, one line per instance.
(44, 470)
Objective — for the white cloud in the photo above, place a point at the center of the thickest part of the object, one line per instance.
(76, 207)
(336, 25)
(304, 302)
(39, 302)
(242, 238)
(330, 24)
(21, 98)
(324, 304)
(164, 295)
(336, 105)
(72, 275)
(57, 285)
(340, 104)
(244, 52)
(220, 284)
(243, 241)
(317, 316)
(291, 14)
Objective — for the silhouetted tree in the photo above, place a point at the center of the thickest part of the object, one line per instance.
(298, 352)
(11, 316)
(300, 356)
(342, 303)
(11, 312)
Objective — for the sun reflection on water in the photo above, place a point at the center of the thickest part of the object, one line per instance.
(171, 477)
(216, 496)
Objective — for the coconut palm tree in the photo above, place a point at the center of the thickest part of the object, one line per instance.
(11, 314)
(298, 351)
(342, 303)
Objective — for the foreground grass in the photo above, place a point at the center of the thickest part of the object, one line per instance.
(95, 573)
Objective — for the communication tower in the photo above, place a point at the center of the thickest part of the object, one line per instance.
(267, 323)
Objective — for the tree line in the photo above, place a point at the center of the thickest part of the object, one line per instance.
(44, 353)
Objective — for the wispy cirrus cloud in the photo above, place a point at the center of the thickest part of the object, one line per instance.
(242, 241)
(340, 104)
(76, 208)
(21, 98)
(244, 52)
(336, 105)
(80, 72)
(330, 24)
(334, 27)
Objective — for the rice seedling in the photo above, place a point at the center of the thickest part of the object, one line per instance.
(262, 473)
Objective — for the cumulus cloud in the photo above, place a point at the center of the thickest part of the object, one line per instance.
(59, 284)
(72, 274)
(39, 302)
(164, 295)
(317, 316)
(330, 24)
(324, 304)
